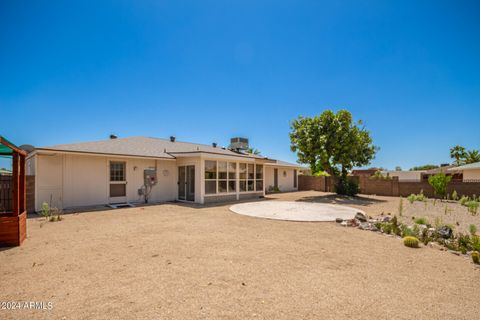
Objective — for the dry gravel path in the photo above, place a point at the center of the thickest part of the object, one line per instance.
(176, 261)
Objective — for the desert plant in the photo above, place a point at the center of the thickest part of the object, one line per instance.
(463, 200)
(45, 210)
(439, 182)
(411, 242)
(387, 228)
(273, 189)
(476, 257)
(438, 222)
(421, 221)
(472, 206)
(400, 207)
(463, 241)
(411, 198)
(473, 229)
(475, 243)
(455, 195)
(346, 186)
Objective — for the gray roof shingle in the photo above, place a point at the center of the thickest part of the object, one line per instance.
(144, 147)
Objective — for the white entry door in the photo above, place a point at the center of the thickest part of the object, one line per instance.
(118, 182)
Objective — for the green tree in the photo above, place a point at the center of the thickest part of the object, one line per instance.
(332, 142)
(439, 182)
(398, 168)
(458, 153)
(472, 156)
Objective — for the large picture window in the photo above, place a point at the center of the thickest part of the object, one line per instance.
(210, 177)
(221, 177)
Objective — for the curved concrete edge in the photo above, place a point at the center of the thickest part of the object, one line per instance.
(295, 211)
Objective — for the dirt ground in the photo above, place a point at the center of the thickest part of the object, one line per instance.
(442, 212)
(178, 261)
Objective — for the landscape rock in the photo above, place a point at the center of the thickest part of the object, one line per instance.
(344, 223)
(445, 232)
(386, 219)
(365, 226)
(338, 220)
(361, 216)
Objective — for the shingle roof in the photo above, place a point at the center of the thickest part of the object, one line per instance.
(144, 147)
(471, 166)
(286, 164)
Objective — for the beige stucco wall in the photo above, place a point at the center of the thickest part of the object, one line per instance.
(471, 174)
(285, 183)
(405, 175)
(192, 161)
(68, 180)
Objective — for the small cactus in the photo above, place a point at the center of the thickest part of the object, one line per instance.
(476, 257)
(410, 242)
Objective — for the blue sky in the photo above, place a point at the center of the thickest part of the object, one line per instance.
(205, 71)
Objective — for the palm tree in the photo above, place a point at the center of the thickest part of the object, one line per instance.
(472, 156)
(253, 151)
(459, 154)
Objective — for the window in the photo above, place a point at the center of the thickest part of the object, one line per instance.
(251, 177)
(232, 177)
(117, 171)
(210, 177)
(220, 177)
(243, 177)
(259, 177)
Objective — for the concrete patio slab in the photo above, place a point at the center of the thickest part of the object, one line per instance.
(295, 210)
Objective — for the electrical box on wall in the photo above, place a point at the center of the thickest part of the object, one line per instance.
(150, 177)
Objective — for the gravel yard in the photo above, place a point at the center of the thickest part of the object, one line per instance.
(178, 261)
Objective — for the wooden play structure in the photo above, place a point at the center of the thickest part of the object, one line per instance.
(13, 212)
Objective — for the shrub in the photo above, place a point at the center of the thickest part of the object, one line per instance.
(45, 210)
(410, 242)
(473, 229)
(472, 206)
(400, 207)
(421, 221)
(475, 243)
(476, 257)
(417, 197)
(439, 182)
(273, 189)
(411, 198)
(346, 186)
(455, 195)
(387, 228)
(464, 200)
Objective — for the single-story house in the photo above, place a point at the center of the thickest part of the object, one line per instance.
(140, 169)
(407, 176)
(449, 170)
(471, 172)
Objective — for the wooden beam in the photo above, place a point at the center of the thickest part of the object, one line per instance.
(7, 143)
(22, 185)
(15, 184)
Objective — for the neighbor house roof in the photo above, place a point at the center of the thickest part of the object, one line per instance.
(285, 164)
(144, 147)
(471, 166)
(443, 169)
